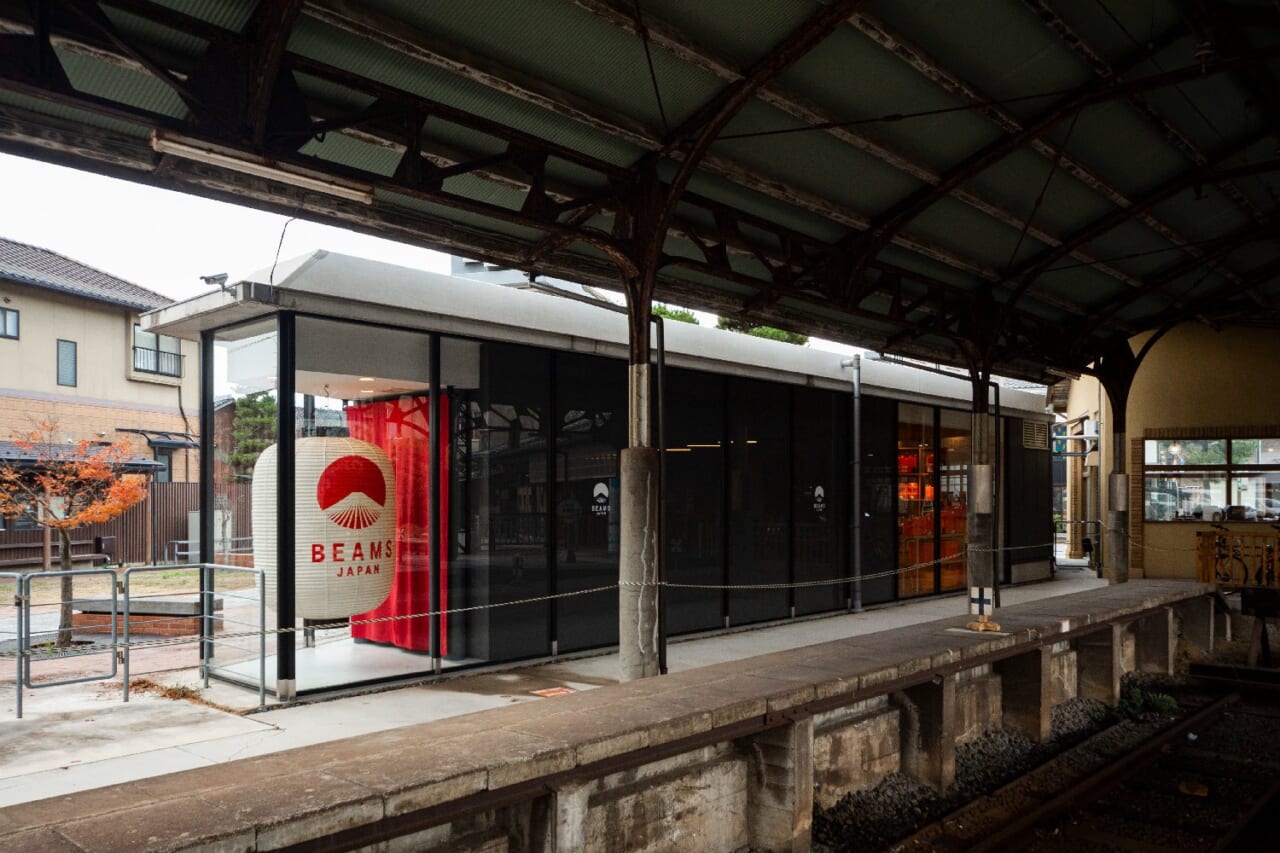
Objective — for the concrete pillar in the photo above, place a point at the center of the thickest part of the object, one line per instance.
(1099, 664)
(569, 805)
(1157, 642)
(1026, 692)
(638, 565)
(1195, 620)
(980, 519)
(1117, 540)
(780, 788)
(929, 742)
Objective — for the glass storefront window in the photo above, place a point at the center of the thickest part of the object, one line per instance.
(591, 407)
(759, 504)
(501, 502)
(953, 512)
(917, 485)
(362, 475)
(695, 499)
(821, 433)
(245, 417)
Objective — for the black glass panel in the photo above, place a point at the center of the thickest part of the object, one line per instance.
(591, 427)
(759, 504)
(695, 499)
(499, 507)
(879, 482)
(819, 489)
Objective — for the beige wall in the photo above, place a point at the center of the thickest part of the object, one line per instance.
(108, 394)
(1193, 378)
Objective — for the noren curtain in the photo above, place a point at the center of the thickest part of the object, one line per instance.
(402, 428)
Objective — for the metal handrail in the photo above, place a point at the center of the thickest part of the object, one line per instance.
(262, 618)
(121, 647)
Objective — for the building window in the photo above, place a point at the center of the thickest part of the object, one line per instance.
(67, 363)
(159, 354)
(8, 323)
(1211, 480)
(165, 457)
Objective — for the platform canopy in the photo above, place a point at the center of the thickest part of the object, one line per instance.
(1021, 184)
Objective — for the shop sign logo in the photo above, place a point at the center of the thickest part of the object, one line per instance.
(819, 499)
(352, 492)
(600, 499)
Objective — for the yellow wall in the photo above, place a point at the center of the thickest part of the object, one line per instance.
(108, 394)
(1196, 377)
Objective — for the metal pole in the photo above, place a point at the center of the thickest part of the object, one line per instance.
(857, 484)
(433, 505)
(286, 592)
(997, 558)
(208, 504)
(662, 495)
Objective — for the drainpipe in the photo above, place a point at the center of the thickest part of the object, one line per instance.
(856, 364)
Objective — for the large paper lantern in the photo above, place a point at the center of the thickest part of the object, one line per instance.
(345, 545)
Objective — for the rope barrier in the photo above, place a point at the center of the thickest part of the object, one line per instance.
(36, 655)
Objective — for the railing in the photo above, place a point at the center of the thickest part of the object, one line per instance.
(119, 611)
(1238, 560)
(188, 550)
(147, 360)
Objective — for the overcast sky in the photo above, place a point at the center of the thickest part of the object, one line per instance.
(165, 240)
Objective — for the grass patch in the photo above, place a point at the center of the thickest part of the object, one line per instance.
(1135, 702)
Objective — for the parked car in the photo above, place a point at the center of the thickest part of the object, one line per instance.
(1268, 508)
(1235, 512)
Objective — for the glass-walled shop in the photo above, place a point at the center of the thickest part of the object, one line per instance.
(525, 467)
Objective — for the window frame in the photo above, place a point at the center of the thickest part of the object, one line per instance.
(75, 363)
(4, 323)
(1227, 470)
(157, 354)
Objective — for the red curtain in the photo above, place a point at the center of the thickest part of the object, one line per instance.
(402, 429)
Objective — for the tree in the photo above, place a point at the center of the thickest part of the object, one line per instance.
(253, 430)
(679, 315)
(66, 486)
(762, 331)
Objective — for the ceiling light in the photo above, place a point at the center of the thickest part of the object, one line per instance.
(237, 161)
(366, 378)
(367, 390)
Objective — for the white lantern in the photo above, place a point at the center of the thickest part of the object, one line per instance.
(345, 527)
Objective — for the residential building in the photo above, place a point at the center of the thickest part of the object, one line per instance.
(72, 353)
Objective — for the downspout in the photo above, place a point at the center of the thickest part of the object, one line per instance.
(856, 364)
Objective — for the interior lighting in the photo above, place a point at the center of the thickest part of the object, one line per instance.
(366, 378)
(163, 143)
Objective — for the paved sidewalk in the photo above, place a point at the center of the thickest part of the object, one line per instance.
(77, 737)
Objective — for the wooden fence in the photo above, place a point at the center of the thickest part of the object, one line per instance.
(146, 533)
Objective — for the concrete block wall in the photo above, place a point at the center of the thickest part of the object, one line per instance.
(854, 748)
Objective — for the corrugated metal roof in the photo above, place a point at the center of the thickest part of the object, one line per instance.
(819, 215)
(41, 268)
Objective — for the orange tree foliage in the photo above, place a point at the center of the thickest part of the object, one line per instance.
(71, 484)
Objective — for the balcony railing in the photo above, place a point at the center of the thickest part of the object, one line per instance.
(147, 360)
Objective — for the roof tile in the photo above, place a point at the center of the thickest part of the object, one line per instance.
(42, 268)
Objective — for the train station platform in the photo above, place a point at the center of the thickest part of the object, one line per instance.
(351, 759)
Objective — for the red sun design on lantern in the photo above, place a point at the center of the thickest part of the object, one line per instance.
(352, 492)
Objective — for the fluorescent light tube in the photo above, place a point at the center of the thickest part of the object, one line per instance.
(200, 153)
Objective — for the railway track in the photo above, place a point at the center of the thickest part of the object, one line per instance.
(1210, 781)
